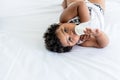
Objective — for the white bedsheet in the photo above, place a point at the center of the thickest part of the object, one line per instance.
(23, 55)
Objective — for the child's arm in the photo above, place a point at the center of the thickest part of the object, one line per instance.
(98, 38)
(77, 8)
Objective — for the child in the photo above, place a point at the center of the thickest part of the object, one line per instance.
(62, 37)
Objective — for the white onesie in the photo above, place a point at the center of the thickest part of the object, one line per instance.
(96, 19)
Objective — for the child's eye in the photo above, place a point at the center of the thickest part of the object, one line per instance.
(70, 39)
(65, 30)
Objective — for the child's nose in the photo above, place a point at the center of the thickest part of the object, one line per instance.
(71, 33)
(73, 37)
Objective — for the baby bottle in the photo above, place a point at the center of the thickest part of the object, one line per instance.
(79, 29)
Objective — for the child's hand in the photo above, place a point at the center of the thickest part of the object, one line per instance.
(85, 37)
(94, 32)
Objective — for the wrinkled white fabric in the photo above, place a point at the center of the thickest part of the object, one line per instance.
(23, 55)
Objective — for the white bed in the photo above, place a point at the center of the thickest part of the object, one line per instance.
(23, 55)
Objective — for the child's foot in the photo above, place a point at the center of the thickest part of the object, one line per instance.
(64, 4)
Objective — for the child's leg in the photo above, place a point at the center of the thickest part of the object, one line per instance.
(67, 2)
(64, 4)
(100, 2)
(70, 1)
(79, 9)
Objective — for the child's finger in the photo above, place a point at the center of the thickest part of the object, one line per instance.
(85, 31)
(81, 37)
(89, 30)
(97, 30)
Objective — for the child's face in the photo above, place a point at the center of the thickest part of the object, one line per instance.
(66, 34)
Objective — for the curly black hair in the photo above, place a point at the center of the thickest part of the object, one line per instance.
(52, 42)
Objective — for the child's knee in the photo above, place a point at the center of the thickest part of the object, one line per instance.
(80, 3)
